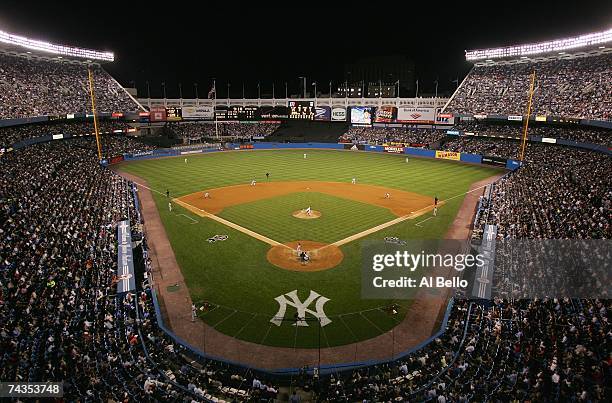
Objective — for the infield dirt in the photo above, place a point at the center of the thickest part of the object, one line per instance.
(322, 256)
(399, 202)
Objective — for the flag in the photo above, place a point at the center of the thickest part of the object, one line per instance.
(213, 92)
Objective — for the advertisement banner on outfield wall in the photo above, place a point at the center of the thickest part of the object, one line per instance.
(198, 112)
(385, 114)
(361, 115)
(322, 113)
(394, 149)
(406, 114)
(338, 114)
(491, 160)
(515, 118)
(448, 155)
(116, 159)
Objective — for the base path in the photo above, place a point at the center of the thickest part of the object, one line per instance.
(176, 309)
(400, 202)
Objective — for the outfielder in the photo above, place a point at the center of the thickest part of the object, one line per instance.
(169, 206)
(304, 155)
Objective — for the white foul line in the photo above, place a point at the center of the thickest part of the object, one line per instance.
(421, 222)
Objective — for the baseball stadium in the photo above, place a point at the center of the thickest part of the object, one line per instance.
(295, 246)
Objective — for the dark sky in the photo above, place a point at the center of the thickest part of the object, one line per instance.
(257, 41)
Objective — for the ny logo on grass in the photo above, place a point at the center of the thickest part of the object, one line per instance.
(301, 307)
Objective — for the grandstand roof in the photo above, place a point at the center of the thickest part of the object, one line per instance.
(18, 44)
(596, 41)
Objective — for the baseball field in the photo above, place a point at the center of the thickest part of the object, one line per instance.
(236, 241)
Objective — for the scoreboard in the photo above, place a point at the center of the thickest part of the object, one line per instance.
(247, 112)
(173, 114)
(237, 112)
(301, 110)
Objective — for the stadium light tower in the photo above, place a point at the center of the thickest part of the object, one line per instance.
(62, 50)
(558, 45)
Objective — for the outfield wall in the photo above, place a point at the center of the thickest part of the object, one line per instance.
(409, 151)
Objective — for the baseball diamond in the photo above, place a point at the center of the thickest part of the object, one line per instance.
(241, 277)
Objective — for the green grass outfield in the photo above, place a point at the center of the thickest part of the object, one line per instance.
(235, 276)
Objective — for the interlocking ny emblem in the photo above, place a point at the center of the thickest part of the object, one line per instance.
(302, 308)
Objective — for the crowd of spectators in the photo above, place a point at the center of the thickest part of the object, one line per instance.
(559, 193)
(381, 135)
(33, 86)
(13, 134)
(578, 87)
(233, 130)
(580, 134)
(62, 319)
(491, 147)
(520, 350)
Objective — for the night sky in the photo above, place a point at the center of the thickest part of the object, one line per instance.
(189, 42)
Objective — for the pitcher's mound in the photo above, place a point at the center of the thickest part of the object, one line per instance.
(322, 256)
(302, 214)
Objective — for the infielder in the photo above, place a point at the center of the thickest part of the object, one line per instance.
(206, 195)
(253, 182)
(354, 181)
(387, 196)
